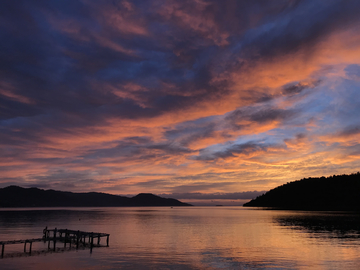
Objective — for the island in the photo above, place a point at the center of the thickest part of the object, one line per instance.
(15, 196)
(334, 193)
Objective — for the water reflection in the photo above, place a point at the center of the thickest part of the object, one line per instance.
(42, 251)
(323, 224)
(193, 238)
(21, 217)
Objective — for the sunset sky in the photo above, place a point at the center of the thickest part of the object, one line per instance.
(197, 100)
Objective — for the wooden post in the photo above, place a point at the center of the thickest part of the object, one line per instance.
(66, 236)
(30, 247)
(107, 240)
(45, 232)
(25, 246)
(69, 242)
(55, 231)
(77, 239)
(2, 250)
(98, 242)
(92, 242)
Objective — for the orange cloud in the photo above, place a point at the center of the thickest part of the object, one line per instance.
(9, 91)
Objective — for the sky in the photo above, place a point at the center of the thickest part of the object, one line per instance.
(204, 101)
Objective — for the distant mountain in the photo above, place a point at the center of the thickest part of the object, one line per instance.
(14, 196)
(341, 192)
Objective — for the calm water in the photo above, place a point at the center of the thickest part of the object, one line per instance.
(189, 238)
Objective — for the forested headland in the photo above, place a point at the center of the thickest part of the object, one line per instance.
(15, 196)
(337, 192)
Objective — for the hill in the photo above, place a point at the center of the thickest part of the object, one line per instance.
(341, 192)
(14, 196)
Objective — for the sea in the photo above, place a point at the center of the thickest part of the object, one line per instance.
(186, 238)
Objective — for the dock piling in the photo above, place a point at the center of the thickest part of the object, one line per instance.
(77, 239)
(66, 238)
(92, 241)
(54, 239)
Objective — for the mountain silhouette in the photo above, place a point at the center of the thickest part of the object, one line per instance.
(338, 192)
(15, 196)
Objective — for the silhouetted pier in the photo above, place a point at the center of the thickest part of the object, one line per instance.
(56, 237)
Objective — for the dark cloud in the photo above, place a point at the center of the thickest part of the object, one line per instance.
(137, 148)
(55, 179)
(349, 131)
(296, 88)
(259, 115)
(190, 132)
(264, 116)
(299, 137)
(300, 25)
(56, 68)
(151, 183)
(233, 150)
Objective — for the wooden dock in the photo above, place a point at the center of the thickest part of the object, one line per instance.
(67, 237)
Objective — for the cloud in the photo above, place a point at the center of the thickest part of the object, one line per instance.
(297, 88)
(260, 115)
(196, 187)
(187, 96)
(245, 149)
(353, 71)
(349, 131)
